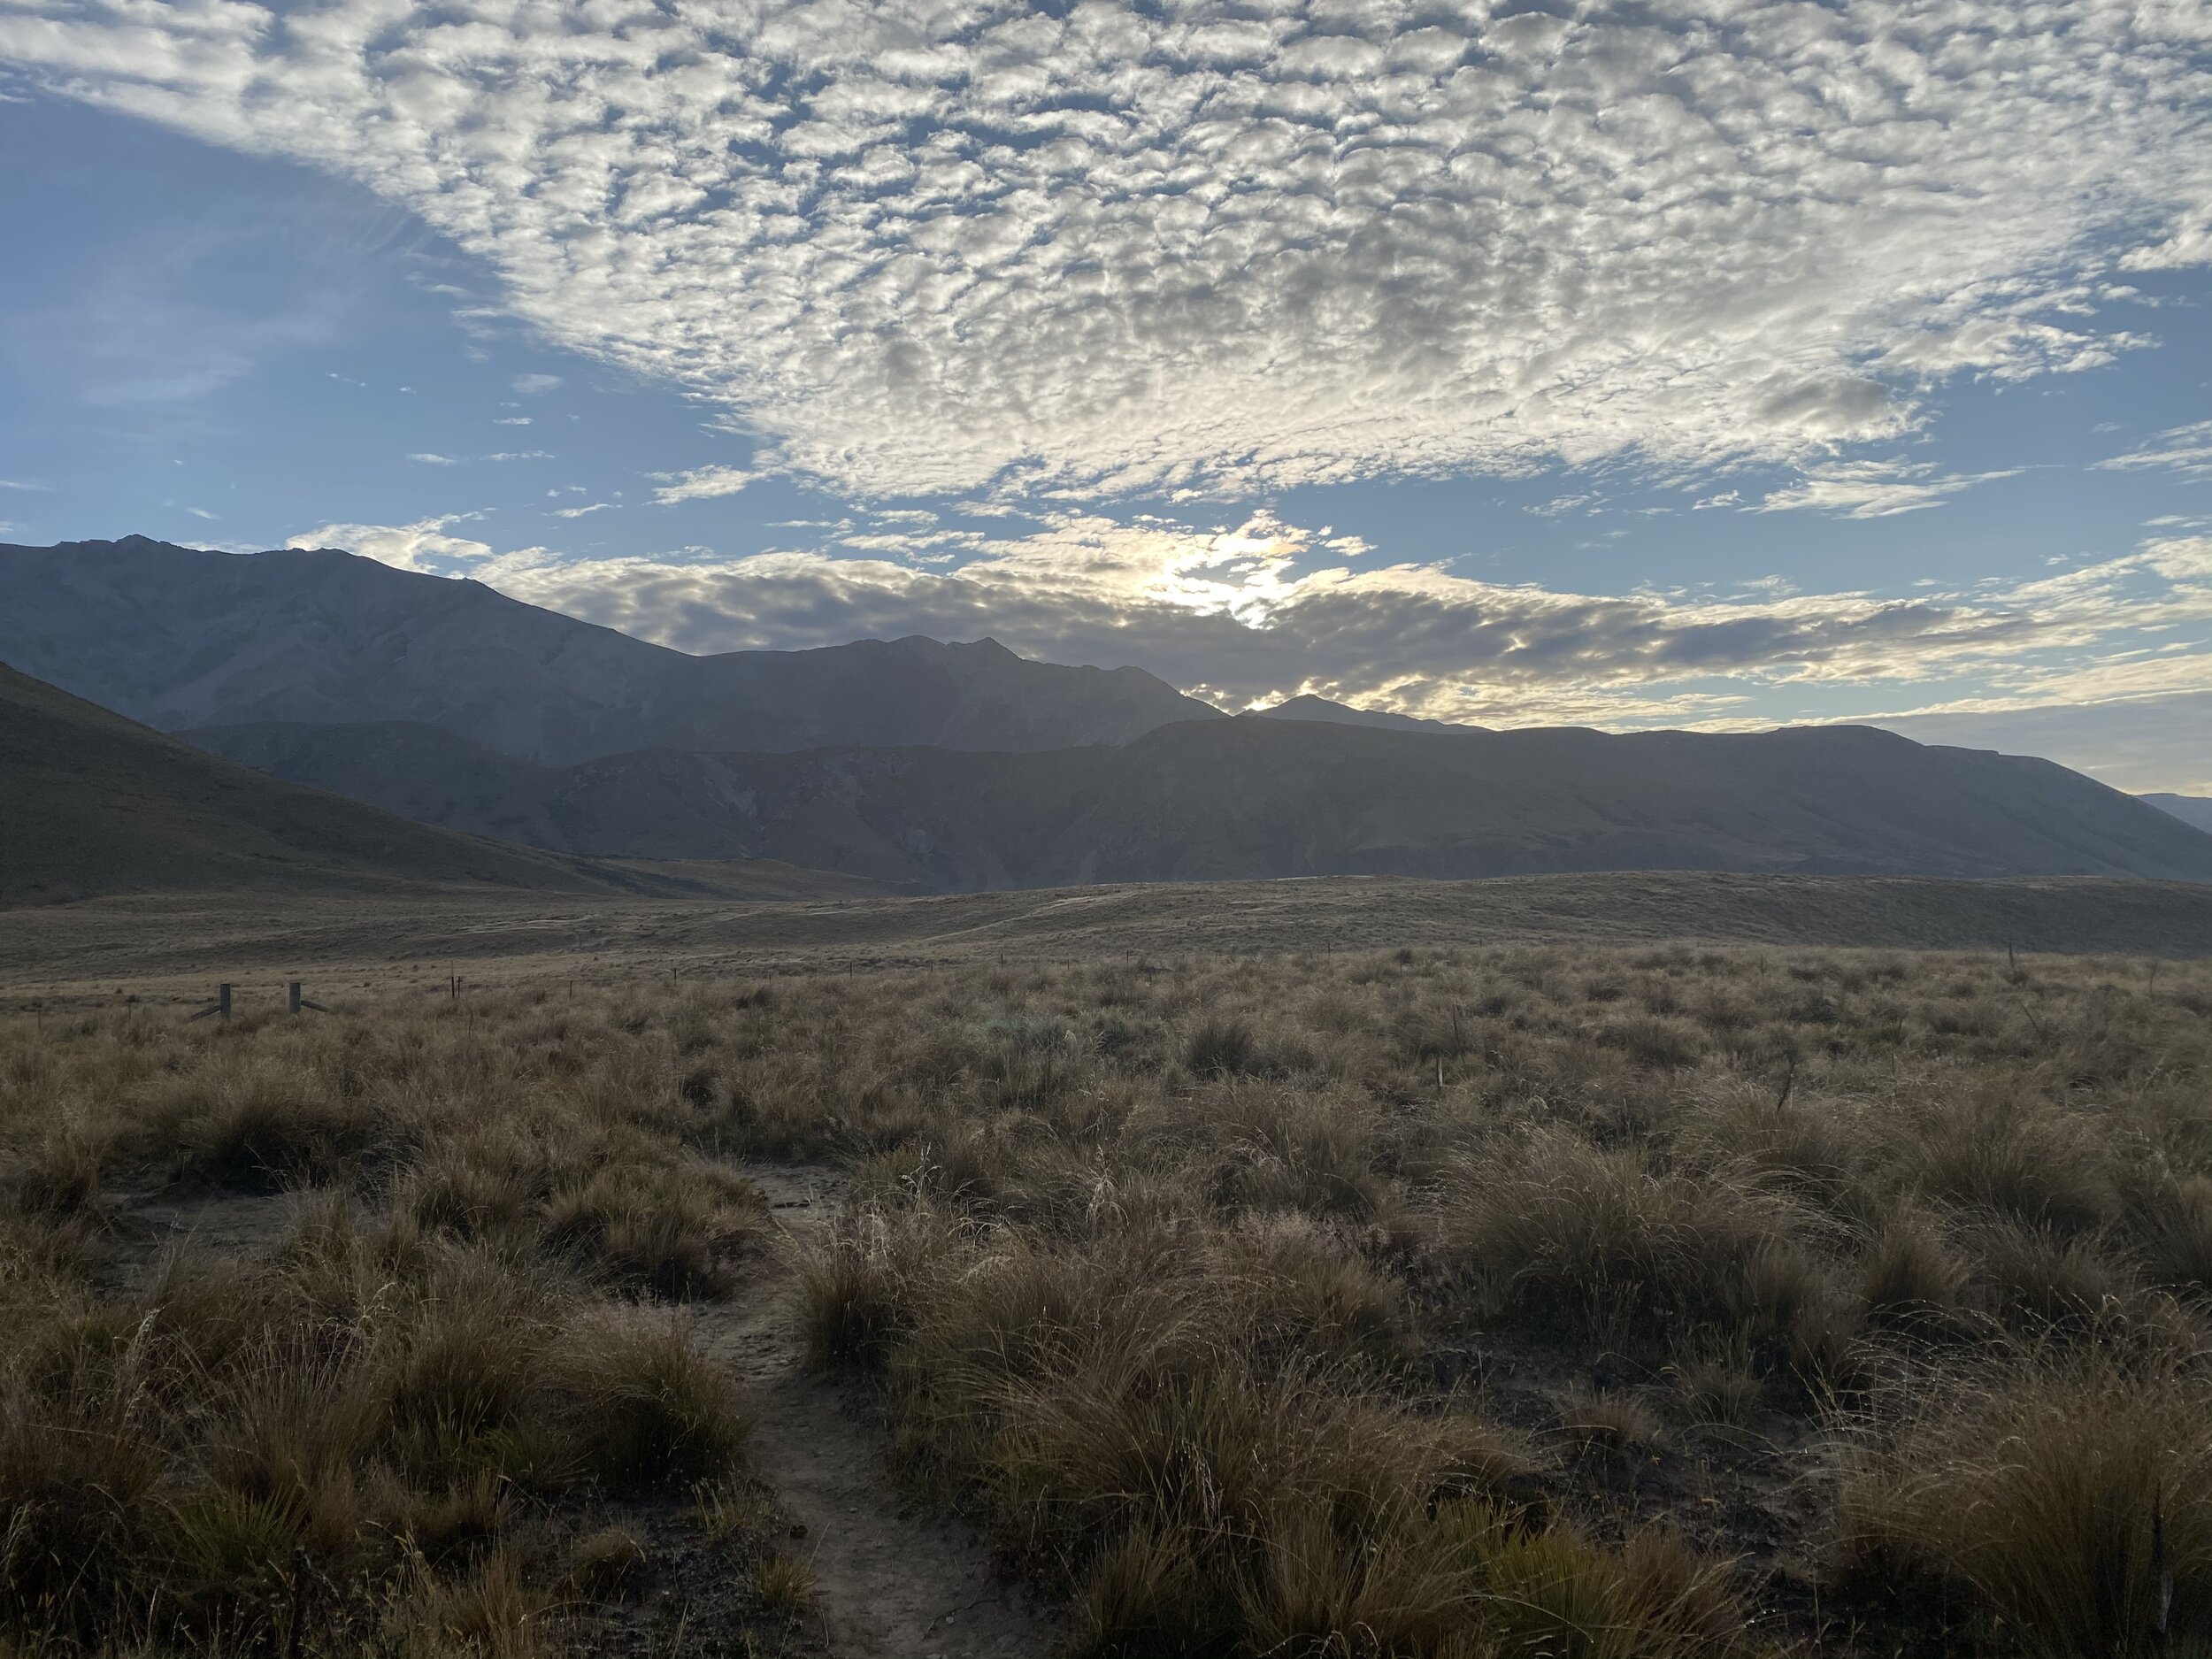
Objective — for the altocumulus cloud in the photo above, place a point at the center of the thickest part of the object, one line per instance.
(923, 246)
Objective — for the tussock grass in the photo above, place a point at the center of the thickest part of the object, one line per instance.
(384, 1409)
(1421, 1304)
(2060, 1490)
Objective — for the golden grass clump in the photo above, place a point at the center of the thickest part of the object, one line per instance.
(167, 1462)
(2072, 1495)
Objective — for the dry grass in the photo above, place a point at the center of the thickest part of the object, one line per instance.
(1426, 1303)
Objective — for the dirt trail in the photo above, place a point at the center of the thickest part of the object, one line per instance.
(892, 1584)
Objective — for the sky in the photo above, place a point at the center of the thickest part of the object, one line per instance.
(1714, 362)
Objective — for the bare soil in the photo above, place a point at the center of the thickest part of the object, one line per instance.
(892, 1580)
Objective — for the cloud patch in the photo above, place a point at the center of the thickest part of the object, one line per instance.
(1869, 489)
(423, 546)
(928, 249)
(2183, 451)
(702, 483)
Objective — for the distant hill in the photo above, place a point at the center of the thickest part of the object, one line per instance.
(1312, 708)
(1244, 798)
(179, 637)
(96, 804)
(2189, 809)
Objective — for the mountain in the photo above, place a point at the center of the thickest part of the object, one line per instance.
(179, 637)
(98, 805)
(1245, 798)
(2189, 809)
(1310, 707)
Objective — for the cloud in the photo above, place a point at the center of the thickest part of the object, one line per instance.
(1869, 489)
(700, 483)
(17, 483)
(921, 248)
(422, 546)
(511, 420)
(535, 385)
(578, 512)
(504, 455)
(1256, 610)
(2184, 451)
(202, 512)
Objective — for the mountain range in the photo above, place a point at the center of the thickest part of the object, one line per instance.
(98, 805)
(178, 637)
(1247, 797)
(936, 767)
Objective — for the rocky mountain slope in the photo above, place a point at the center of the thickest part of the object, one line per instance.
(179, 637)
(1258, 797)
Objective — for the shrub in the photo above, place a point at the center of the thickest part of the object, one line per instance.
(648, 1412)
(2036, 1487)
(261, 1126)
(1910, 1269)
(2025, 1165)
(1221, 1047)
(1572, 1233)
(673, 1230)
(1611, 1422)
(857, 1289)
(602, 1563)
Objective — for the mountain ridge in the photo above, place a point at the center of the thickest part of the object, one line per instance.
(176, 637)
(2192, 809)
(1306, 706)
(99, 805)
(1252, 798)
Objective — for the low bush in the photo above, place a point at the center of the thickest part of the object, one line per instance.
(647, 1412)
(2056, 1489)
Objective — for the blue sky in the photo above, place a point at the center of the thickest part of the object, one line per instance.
(1666, 364)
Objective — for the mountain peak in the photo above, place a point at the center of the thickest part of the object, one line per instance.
(182, 637)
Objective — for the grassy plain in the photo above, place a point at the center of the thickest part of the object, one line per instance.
(177, 945)
(1437, 1301)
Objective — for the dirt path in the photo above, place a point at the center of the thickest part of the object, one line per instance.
(892, 1584)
